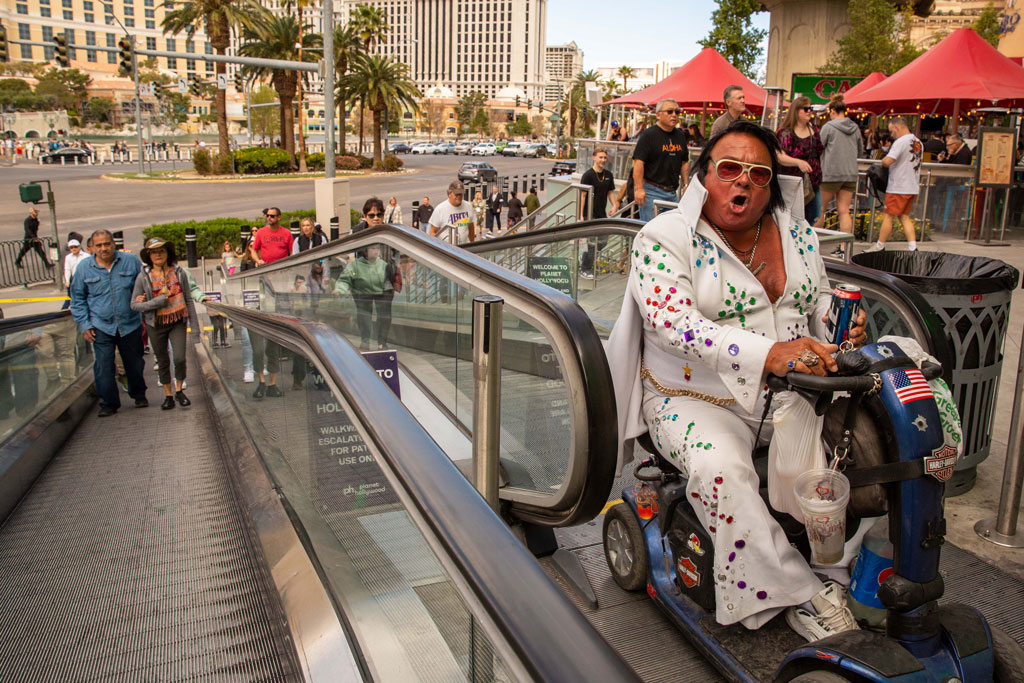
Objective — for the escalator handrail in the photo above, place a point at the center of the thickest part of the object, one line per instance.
(549, 638)
(569, 327)
(911, 300)
(28, 322)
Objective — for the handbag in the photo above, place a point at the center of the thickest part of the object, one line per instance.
(808, 188)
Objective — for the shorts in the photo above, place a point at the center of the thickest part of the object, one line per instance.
(837, 186)
(899, 204)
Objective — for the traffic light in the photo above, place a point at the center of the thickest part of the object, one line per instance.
(529, 105)
(239, 81)
(61, 51)
(195, 88)
(124, 64)
(4, 56)
(517, 100)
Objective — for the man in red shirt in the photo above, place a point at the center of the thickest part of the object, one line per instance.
(271, 243)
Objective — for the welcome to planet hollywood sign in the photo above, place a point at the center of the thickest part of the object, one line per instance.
(819, 87)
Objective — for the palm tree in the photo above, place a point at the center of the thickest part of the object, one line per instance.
(371, 25)
(611, 88)
(382, 83)
(275, 37)
(348, 47)
(626, 72)
(577, 98)
(217, 18)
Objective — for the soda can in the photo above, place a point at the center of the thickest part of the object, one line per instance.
(843, 312)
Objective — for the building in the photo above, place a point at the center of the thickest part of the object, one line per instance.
(466, 45)
(93, 23)
(946, 17)
(561, 64)
(643, 76)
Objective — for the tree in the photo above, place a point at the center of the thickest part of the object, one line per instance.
(347, 49)
(481, 123)
(433, 116)
(626, 73)
(217, 18)
(467, 108)
(733, 34)
(265, 121)
(382, 82)
(98, 110)
(576, 100)
(371, 25)
(878, 40)
(276, 37)
(521, 127)
(612, 89)
(987, 25)
(67, 87)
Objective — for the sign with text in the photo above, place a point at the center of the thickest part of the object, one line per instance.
(996, 155)
(820, 87)
(251, 299)
(345, 473)
(213, 296)
(552, 271)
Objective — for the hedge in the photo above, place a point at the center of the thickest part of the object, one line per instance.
(211, 234)
(261, 160)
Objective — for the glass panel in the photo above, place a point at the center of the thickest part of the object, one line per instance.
(383, 299)
(35, 366)
(406, 613)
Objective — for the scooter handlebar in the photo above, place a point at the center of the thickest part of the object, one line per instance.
(855, 384)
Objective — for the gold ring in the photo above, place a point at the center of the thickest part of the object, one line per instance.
(808, 358)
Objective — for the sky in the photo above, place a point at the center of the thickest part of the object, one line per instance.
(634, 32)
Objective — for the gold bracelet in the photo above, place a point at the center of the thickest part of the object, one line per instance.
(689, 393)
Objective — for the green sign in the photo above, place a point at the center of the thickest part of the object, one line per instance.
(820, 87)
(552, 271)
(31, 192)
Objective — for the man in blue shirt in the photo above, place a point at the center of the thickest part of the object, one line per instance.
(101, 293)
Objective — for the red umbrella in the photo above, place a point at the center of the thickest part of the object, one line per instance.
(697, 84)
(871, 80)
(961, 67)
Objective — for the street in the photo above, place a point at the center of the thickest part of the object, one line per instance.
(86, 202)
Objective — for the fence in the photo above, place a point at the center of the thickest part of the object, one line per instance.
(32, 269)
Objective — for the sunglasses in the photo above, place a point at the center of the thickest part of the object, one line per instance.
(374, 214)
(807, 109)
(730, 170)
(670, 112)
(273, 215)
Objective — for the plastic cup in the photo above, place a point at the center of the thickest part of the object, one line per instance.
(823, 495)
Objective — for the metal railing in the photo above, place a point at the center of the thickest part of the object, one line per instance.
(496, 576)
(32, 270)
(558, 210)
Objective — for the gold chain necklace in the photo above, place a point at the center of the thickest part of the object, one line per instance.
(740, 254)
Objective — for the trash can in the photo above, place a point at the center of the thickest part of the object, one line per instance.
(971, 295)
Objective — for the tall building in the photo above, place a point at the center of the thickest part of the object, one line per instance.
(946, 17)
(93, 23)
(466, 45)
(562, 63)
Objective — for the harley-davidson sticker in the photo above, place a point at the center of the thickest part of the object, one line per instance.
(941, 462)
(693, 543)
(688, 573)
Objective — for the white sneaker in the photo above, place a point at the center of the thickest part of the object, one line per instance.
(912, 246)
(833, 615)
(249, 377)
(877, 246)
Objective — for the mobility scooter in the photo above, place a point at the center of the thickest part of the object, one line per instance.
(654, 541)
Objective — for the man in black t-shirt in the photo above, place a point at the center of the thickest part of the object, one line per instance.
(661, 160)
(603, 182)
(421, 217)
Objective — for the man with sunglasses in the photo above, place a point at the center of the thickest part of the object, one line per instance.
(661, 160)
(722, 291)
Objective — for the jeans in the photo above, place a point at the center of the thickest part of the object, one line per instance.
(174, 335)
(654, 193)
(812, 209)
(130, 347)
(243, 337)
(493, 219)
(365, 303)
(28, 245)
(67, 304)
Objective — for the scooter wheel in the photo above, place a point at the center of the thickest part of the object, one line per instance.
(624, 548)
(820, 677)
(1008, 656)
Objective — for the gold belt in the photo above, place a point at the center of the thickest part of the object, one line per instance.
(689, 393)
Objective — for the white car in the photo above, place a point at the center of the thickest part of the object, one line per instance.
(423, 148)
(484, 149)
(464, 147)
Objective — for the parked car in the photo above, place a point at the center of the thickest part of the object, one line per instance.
(500, 145)
(464, 147)
(476, 171)
(423, 148)
(399, 148)
(444, 148)
(70, 155)
(534, 149)
(564, 167)
(484, 149)
(512, 149)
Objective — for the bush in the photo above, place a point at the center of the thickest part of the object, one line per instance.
(354, 216)
(202, 161)
(345, 163)
(378, 166)
(393, 163)
(364, 162)
(222, 164)
(261, 160)
(315, 162)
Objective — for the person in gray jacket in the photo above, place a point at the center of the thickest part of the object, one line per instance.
(163, 294)
(843, 146)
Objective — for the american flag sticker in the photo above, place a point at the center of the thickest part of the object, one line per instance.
(910, 385)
